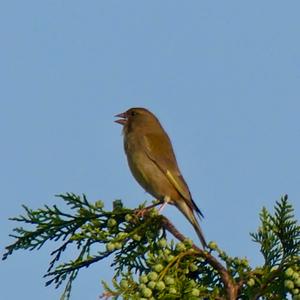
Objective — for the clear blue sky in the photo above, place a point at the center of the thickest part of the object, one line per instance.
(223, 77)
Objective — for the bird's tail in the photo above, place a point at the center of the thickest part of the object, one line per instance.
(189, 214)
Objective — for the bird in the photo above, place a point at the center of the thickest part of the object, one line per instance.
(153, 164)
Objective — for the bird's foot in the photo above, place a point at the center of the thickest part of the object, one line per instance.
(140, 213)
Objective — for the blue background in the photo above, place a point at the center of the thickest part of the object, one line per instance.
(222, 76)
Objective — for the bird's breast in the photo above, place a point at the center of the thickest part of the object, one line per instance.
(146, 172)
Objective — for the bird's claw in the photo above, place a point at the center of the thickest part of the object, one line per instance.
(141, 212)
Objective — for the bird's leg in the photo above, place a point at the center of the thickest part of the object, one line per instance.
(166, 201)
(141, 212)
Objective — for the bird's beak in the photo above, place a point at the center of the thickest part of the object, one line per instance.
(122, 121)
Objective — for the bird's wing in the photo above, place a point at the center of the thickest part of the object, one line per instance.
(159, 150)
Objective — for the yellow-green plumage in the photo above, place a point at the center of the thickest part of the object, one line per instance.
(153, 163)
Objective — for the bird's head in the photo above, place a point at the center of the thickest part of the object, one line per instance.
(137, 118)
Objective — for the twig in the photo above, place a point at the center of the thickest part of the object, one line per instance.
(231, 287)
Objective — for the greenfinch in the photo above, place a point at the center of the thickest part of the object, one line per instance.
(152, 162)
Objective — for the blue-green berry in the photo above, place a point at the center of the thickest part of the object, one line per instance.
(188, 242)
(244, 262)
(143, 279)
(118, 245)
(193, 267)
(169, 280)
(289, 272)
(153, 212)
(136, 237)
(121, 235)
(289, 284)
(251, 282)
(295, 291)
(297, 282)
(110, 246)
(160, 285)
(162, 243)
(180, 247)
(158, 268)
(111, 222)
(195, 292)
(152, 276)
(128, 218)
(170, 257)
(151, 284)
(212, 245)
(124, 284)
(99, 204)
(146, 292)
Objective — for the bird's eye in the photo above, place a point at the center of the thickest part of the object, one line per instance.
(133, 113)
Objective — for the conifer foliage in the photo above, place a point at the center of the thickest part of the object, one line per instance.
(149, 264)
